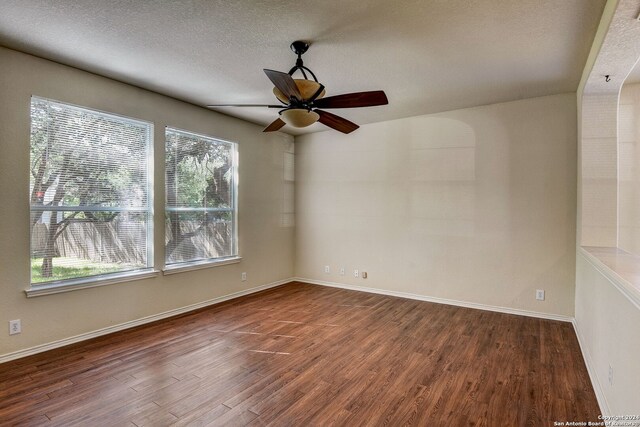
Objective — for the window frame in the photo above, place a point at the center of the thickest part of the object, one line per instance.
(235, 257)
(65, 285)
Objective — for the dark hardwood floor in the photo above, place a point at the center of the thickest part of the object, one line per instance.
(300, 355)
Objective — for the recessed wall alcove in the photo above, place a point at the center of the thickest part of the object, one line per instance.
(602, 226)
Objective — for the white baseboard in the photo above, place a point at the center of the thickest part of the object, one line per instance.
(174, 312)
(595, 382)
(466, 304)
(600, 396)
(126, 325)
(602, 401)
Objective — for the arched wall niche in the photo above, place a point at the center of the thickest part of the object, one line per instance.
(607, 293)
(598, 97)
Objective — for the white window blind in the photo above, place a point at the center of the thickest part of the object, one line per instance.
(200, 198)
(90, 193)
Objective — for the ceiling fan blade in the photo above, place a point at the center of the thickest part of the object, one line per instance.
(275, 125)
(336, 122)
(284, 82)
(244, 105)
(353, 100)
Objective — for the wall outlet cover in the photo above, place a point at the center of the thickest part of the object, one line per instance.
(15, 327)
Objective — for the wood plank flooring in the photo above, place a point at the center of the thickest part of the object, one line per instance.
(301, 355)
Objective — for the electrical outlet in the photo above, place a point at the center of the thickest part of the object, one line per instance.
(342, 271)
(356, 273)
(327, 269)
(243, 276)
(364, 274)
(610, 375)
(540, 294)
(15, 327)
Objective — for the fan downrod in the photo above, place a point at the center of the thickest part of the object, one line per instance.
(299, 47)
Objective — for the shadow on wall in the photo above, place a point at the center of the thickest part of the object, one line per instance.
(448, 205)
(442, 173)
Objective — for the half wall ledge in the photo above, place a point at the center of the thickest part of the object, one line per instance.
(620, 267)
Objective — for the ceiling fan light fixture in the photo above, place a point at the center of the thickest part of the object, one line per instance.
(303, 102)
(307, 89)
(299, 118)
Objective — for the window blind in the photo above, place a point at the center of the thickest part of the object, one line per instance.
(200, 198)
(90, 192)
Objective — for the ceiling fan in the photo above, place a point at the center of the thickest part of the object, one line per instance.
(301, 99)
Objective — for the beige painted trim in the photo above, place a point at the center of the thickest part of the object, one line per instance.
(618, 281)
(437, 300)
(189, 266)
(126, 325)
(89, 282)
(593, 376)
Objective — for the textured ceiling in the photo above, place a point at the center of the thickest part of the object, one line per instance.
(618, 53)
(427, 55)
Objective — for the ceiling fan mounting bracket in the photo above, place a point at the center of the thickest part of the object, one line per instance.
(299, 48)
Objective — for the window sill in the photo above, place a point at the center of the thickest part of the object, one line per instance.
(89, 282)
(619, 266)
(199, 265)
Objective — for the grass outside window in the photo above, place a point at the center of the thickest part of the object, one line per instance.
(71, 268)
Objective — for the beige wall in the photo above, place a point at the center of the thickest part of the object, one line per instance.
(629, 169)
(599, 170)
(608, 325)
(475, 205)
(266, 241)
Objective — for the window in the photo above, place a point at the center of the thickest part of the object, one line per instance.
(200, 198)
(90, 194)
